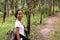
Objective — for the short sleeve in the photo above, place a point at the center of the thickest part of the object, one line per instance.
(16, 24)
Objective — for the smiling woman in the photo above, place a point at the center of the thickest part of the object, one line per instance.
(19, 26)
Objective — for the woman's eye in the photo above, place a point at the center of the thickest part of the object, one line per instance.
(20, 13)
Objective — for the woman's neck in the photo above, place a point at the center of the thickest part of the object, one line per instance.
(18, 19)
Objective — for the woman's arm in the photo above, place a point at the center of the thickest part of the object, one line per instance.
(17, 33)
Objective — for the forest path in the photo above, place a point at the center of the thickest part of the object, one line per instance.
(47, 28)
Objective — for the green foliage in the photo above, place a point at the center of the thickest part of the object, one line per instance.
(1, 5)
(25, 9)
(8, 25)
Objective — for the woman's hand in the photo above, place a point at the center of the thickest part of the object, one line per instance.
(26, 30)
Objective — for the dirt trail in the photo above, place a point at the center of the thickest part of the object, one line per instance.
(43, 33)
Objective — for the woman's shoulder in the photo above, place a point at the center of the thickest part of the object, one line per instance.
(16, 22)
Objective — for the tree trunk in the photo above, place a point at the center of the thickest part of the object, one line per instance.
(5, 11)
(12, 6)
(41, 7)
(22, 3)
(16, 5)
(40, 15)
(7, 8)
(59, 4)
(53, 6)
(50, 4)
(28, 16)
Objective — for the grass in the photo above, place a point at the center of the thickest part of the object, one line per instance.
(56, 35)
(8, 25)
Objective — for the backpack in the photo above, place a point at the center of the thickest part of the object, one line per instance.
(10, 35)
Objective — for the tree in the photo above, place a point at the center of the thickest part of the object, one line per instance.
(41, 6)
(22, 3)
(16, 5)
(12, 6)
(58, 3)
(28, 16)
(50, 5)
(5, 10)
(7, 7)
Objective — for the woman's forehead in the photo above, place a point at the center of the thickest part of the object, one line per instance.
(20, 12)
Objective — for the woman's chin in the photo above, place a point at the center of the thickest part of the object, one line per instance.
(20, 18)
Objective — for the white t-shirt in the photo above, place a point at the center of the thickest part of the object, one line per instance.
(21, 27)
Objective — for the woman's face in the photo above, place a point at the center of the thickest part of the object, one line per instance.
(20, 14)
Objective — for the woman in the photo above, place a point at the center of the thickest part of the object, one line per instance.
(19, 26)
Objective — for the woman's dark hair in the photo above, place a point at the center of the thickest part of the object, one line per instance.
(17, 12)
